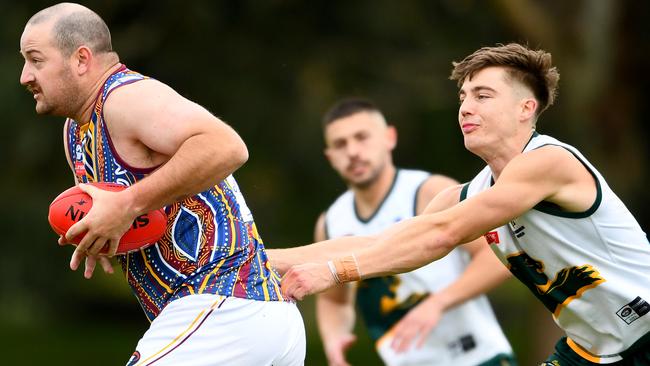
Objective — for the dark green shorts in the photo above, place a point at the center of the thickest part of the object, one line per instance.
(565, 356)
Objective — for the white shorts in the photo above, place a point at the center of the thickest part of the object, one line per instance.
(206, 330)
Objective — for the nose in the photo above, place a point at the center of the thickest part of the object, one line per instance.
(465, 108)
(26, 76)
(352, 148)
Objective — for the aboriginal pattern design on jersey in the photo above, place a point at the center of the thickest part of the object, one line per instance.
(211, 244)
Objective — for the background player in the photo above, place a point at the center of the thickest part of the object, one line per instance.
(435, 315)
(206, 286)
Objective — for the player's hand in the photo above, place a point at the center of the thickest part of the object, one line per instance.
(91, 262)
(105, 223)
(306, 279)
(416, 325)
(336, 348)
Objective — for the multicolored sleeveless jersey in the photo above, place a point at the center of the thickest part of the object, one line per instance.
(466, 335)
(211, 244)
(590, 269)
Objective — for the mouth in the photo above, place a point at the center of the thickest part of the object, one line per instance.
(356, 168)
(35, 91)
(468, 127)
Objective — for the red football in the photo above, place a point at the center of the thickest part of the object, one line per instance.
(73, 204)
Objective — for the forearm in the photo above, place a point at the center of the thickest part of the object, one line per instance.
(420, 240)
(283, 259)
(193, 168)
(404, 247)
(334, 318)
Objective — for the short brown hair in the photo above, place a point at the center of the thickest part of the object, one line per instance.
(533, 68)
(347, 107)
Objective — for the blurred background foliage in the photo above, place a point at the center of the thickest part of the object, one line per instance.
(270, 69)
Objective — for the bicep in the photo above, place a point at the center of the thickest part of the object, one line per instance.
(525, 182)
(162, 119)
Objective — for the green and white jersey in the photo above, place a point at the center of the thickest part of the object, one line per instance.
(466, 335)
(590, 269)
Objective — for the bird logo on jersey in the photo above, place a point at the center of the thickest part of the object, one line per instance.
(569, 283)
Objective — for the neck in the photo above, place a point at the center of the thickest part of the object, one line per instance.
(368, 199)
(85, 111)
(507, 151)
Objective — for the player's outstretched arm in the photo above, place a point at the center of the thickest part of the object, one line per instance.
(283, 259)
(322, 251)
(528, 179)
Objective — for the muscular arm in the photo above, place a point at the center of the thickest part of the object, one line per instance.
(283, 259)
(195, 148)
(151, 125)
(335, 313)
(549, 173)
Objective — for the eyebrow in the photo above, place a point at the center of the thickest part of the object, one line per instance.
(477, 89)
(30, 51)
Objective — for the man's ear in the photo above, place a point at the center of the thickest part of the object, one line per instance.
(83, 56)
(529, 108)
(391, 136)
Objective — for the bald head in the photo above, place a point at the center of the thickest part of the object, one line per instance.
(74, 25)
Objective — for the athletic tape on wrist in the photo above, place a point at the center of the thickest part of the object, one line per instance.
(346, 269)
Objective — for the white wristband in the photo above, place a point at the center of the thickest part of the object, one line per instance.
(332, 268)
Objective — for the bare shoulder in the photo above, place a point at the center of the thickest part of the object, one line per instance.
(550, 173)
(558, 172)
(155, 115)
(547, 163)
(143, 97)
(431, 188)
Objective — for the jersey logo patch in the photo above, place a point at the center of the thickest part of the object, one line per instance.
(492, 237)
(465, 343)
(634, 310)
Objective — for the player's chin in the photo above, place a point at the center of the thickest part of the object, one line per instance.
(360, 182)
(42, 108)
